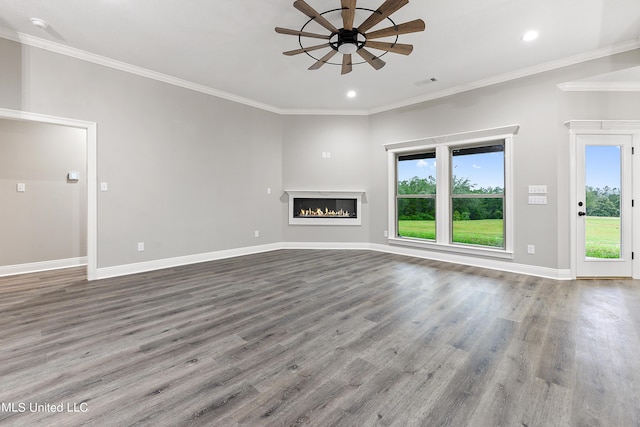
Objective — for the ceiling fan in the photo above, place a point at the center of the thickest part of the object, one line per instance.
(351, 39)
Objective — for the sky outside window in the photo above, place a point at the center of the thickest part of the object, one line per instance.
(602, 165)
(484, 170)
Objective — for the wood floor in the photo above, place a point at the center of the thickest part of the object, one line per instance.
(322, 338)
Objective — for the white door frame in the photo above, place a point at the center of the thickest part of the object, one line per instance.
(92, 175)
(602, 127)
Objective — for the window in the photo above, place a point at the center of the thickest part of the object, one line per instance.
(453, 195)
(416, 201)
(477, 195)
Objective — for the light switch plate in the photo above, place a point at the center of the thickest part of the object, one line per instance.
(537, 189)
(537, 200)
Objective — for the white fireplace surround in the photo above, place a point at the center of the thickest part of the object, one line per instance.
(357, 195)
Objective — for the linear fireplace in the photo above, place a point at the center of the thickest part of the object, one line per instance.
(325, 208)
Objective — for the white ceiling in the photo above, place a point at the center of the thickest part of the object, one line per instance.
(231, 46)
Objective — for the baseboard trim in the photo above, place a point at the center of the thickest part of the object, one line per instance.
(142, 267)
(34, 267)
(326, 245)
(492, 264)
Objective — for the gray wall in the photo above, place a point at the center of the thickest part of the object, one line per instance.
(305, 138)
(541, 149)
(49, 220)
(187, 172)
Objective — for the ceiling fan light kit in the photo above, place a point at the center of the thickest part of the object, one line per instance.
(347, 41)
(350, 39)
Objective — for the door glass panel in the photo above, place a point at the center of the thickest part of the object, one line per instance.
(602, 187)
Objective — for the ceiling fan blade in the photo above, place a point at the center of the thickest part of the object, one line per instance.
(280, 30)
(373, 60)
(403, 49)
(303, 7)
(346, 64)
(407, 27)
(323, 60)
(348, 13)
(305, 49)
(383, 12)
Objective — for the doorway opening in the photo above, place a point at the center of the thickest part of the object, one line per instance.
(91, 171)
(602, 214)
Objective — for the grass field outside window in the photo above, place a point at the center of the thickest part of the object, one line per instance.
(485, 232)
(602, 237)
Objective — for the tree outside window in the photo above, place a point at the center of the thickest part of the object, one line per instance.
(477, 195)
(416, 192)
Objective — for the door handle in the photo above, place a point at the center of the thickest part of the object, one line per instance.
(582, 213)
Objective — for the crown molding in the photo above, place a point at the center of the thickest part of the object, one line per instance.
(318, 112)
(143, 72)
(590, 125)
(600, 87)
(132, 69)
(525, 72)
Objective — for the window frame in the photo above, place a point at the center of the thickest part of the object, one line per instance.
(462, 196)
(443, 145)
(430, 196)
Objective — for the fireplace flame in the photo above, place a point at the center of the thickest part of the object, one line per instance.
(326, 213)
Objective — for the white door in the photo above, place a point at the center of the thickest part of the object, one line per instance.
(604, 218)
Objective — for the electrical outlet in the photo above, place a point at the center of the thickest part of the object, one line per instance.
(140, 246)
(256, 233)
(385, 233)
(21, 187)
(531, 249)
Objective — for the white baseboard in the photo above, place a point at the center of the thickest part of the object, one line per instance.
(492, 264)
(34, 267)
(122, 270)
(326, 245)
(141, 267)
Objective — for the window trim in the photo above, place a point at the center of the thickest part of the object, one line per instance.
(452, 195)
(442, 146)
(398, 196)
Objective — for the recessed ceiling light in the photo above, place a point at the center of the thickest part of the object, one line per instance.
(40, 23)
(530, 36)
(351, 94)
